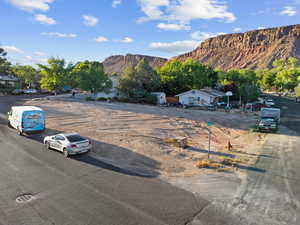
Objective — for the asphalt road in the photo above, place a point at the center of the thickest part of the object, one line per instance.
(84, 191)
(80, 190)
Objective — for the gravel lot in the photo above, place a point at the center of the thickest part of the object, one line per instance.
(133, 135)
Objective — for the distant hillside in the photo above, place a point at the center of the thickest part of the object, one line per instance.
(254, 49)
(118, 63)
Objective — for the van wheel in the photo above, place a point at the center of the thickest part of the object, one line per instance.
(66, 154)
(9, 125)
(20, 133)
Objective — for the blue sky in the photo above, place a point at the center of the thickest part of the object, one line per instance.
(34, 30)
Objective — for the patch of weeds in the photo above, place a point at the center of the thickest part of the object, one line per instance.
(101, 99)
(229, 161)
(89, 99)
(208, 164)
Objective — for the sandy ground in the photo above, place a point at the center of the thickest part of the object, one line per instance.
(133, 135)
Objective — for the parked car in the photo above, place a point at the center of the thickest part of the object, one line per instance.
(267, 124)
(17, 91)
(26, 119)
(270, 103)
(30, 91)
(69, 144)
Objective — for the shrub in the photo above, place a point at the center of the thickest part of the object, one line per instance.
(208, 164)
(89, 99)
(150, 99)
(101, 99)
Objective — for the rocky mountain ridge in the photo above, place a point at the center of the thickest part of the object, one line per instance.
(118, 63)
(255, 49)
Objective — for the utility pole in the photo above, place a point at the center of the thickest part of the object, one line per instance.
(209, 140)
(209, 124)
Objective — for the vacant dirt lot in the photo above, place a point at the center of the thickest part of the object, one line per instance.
(134, 136)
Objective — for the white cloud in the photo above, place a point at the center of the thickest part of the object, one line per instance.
(101, 39)
(116, 3)
(152, 9)
(261, 28)
(173, 26)
(177, 47)
(90, 20)
(126, 40)
(12, 49)
(31, 5)
(39, 53)
(60, 35)
(237, 29)
(32, 60)
(44, 19)
(185, 10)
(289, 11)
(201, 36)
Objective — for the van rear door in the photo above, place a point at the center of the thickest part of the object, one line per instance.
(33, 121)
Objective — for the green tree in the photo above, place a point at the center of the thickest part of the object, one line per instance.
(266, 79)
(287, 79)
(177, 77)
(91, 77)
(245, 80)
(26, 73)
(5, 65)
(147, 77)
(297, 90)
(54, 75)
(137, 82)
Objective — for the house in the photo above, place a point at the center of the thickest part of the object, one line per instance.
(161, 97)
(7, 81)
(203, 97)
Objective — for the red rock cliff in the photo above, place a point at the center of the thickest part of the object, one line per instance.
(254, 49)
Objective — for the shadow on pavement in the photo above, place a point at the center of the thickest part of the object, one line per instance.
(112, 156)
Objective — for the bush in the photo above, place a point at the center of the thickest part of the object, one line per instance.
(102, 99)
(150, 99)
(89, 99)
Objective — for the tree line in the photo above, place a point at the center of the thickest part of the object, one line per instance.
(173, 77)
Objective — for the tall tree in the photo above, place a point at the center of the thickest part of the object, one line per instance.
(137, 82)
(177, 77)
(54, 75)
(5, 65)
(297, 91)
(26, 73)
(91, 77)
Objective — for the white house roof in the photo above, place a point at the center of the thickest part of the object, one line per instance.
(205, 91)
(158, 93)
(213, 92)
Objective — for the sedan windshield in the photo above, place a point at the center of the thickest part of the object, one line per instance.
(75, 138)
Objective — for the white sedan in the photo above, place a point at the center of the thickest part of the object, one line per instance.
(69, 144)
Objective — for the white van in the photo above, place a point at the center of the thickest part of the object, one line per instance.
(26, 119)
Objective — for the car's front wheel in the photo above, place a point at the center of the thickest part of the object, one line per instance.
(47, 144)
(66, 153)
(9, 125)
